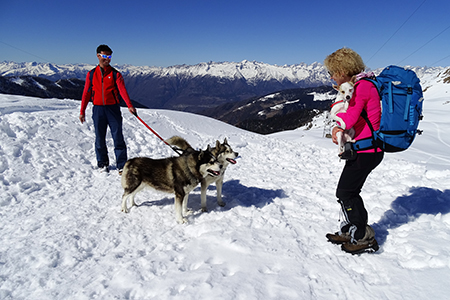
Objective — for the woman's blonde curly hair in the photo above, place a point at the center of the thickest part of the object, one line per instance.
(344, 61)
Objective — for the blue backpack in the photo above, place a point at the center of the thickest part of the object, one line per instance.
(401, 104)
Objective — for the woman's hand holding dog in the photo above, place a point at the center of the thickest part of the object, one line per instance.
(335, 130)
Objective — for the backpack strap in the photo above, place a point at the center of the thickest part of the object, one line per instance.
(91, 76)
(367, 143)
(409, 93)
(114, 72)
(366, 118)
(371, 142)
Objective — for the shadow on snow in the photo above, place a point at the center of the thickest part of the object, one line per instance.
(406, 208)
(240, 195)
(233, 194)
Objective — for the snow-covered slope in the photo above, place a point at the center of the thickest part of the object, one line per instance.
(63, 235)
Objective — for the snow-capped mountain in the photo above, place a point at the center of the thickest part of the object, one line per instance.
(193, 88)
(189, 87)
(250, 71)
(45, 70)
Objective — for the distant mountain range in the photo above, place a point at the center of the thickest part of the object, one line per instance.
(252, 95)
(189, 88)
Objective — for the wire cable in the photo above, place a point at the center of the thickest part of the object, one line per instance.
(44, 59)
(397, 30)
(425, 44)
(440, 60)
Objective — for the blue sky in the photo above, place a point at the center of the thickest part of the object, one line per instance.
(166, 33)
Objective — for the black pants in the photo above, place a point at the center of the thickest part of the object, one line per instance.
(352, 179)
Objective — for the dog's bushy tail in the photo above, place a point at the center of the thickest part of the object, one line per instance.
(179, 142)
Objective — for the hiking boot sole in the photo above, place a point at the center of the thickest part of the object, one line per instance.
(358, 249)
(337, 239)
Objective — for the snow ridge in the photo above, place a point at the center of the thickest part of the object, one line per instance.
(248, 70)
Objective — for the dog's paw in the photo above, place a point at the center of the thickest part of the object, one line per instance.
(188, 212)
(204, 209)
(182, 221)
(125, 210)
(221, 203)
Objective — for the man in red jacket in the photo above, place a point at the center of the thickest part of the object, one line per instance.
(103, 87)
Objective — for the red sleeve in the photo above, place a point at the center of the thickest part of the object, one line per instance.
(86, 95)
(122, 90)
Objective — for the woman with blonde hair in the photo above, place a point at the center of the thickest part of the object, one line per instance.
(355, 235)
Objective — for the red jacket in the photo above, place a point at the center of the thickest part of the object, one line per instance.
(104, 91)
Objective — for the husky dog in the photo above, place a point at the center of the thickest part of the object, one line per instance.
(178, 175)
(224, 154)
(340, 105)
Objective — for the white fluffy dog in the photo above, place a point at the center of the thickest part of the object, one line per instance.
(340, 105)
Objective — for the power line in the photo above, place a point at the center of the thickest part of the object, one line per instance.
(440, 60)
(25, 51)
(425, 44)
(397, 30)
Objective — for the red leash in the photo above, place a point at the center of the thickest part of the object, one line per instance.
(154, 132)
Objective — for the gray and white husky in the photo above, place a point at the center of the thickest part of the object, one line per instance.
(224, 154)
(178, 175)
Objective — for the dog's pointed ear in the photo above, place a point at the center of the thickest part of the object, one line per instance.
(200, 155)
(217, 144)
(336, 87)
(208, 148)
(353, 80)
(225, 141)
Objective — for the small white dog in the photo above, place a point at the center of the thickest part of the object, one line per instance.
(340, 105)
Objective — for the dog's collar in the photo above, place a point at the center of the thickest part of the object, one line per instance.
(336, 103)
